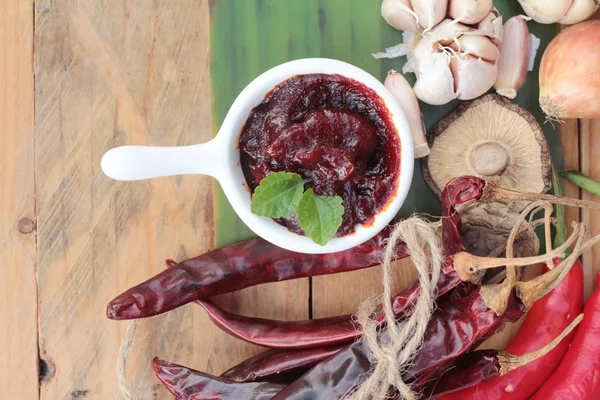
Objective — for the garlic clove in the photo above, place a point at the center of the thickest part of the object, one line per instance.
(478, 46)
(400, 15)
(514, 58)
(546, 11)
(469, 11)
(435, 84)
(472, 76)
(447, 32)
(429, 12)
(579, 11)
(402, 91)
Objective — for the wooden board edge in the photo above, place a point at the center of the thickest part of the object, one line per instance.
(18, 247)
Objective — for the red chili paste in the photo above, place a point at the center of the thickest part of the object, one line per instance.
(333, 131)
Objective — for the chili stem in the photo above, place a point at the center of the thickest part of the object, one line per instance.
(509, 362)
(495, 192)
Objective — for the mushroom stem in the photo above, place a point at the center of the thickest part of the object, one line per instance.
(489, 158)
(467, 265)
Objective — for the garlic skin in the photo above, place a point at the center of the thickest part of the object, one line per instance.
(579, 11)
(472, 76)
(429, 12)
(491, 26)
(513, 65)
(478, 46)
(399, 14)
(402, 91)
(546, 11)
(470, 11)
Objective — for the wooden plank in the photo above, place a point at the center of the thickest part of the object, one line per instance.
(18, 293)
(111, 73)
(590, 146)
(570, 138)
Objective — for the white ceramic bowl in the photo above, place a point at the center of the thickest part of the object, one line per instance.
(220, 158)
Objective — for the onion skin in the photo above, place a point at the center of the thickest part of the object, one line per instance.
(570, 73)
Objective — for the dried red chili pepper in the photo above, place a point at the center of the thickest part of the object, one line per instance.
(458, 191)
(341, 329)
(577, 376)
(189, 384)
(453, 329)
(547, 318)
(238, 266)
(315, 333)
(279, 366)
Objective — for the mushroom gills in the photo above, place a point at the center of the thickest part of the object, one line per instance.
(491, 138)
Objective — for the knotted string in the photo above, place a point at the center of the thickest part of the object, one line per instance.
(392, 357)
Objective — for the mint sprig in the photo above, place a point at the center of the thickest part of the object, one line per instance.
(281, 195)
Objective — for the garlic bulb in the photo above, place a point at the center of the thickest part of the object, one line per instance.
(429, 12)
(470, 11)
(400, 15)
(514, 58)
(453, 57)
(579, 11)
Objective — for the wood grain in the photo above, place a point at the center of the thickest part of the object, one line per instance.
(111, 73)
(18, 292)
(590, 148)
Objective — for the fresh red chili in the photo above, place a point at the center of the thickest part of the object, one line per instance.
(238, 266)
(341, 329)
(548, 317)
(189, 384)
(578, 375)
(279, 366)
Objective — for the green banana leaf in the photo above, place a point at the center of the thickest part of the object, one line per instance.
(249, 37)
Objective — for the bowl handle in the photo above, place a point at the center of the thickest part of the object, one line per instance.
(133, 163)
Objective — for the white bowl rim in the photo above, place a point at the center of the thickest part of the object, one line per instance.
(237, 191)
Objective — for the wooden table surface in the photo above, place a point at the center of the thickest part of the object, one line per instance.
(76, 79)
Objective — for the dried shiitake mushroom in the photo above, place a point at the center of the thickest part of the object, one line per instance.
(491, 138)
(496, 140)
(486, 227)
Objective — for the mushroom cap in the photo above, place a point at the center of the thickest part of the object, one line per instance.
(491, 138)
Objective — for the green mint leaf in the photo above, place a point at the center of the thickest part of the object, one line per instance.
(320, 216)
(277, 195)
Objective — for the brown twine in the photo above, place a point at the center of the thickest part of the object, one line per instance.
(122, 382)
(390, 359)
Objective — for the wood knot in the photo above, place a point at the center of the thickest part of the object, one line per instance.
(26, 225)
